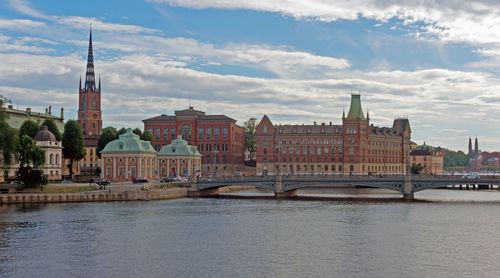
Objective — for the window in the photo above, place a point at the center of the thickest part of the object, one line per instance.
(224, 159)
(209, 133)
(224, 133)
(216, 133)
(150, 130)
(172, 133)
(165, 133)
(186, 131)
(157, 134)
(94, 104)
(200, 133)
(265, 129)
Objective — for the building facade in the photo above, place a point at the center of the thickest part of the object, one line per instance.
(179, 159)
(90, 114)
(128, 157)
(355, 147)
(218, 138)
(430, 158)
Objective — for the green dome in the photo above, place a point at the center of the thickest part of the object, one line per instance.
(179, 147)
(128, 143)
(425, 147)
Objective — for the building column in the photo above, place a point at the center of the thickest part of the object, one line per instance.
(189, 170)
(139, 167)
(178, 166)
(103, 173)
(126, 167)
(114, 168)
(168, 167)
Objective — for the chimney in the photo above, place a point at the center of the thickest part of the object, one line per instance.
(315, 123)
(62, 113)
(330, 123)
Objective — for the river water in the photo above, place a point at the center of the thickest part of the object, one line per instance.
(456, 235)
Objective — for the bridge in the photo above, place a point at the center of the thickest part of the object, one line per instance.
(287, 186)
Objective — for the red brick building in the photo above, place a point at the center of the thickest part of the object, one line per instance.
(218, 138)
(355, 147)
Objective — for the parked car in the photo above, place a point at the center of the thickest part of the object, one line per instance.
(100, 181)
(166, 179)
(139, 180)
(16, 182)
(66, 182)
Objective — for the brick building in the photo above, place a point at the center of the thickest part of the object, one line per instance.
(355, 147)
(218, 138)
(90, 114)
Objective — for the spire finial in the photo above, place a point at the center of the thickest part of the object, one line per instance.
(90, 76)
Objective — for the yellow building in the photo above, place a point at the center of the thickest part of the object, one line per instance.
(430, 158)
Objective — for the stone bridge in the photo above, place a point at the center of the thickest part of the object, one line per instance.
(286, 186)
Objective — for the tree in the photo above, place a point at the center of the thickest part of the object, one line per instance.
(31, 158)
(122, 131)
(52, 127)
(72, 143)
(29, 128)
(250, 137)
(454, 159)
(416, 169)
(147, 136)
(108, 134)
(8, 140)
(137, 131)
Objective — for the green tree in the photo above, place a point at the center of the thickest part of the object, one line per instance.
(8, 140)
(137, 131)
(455, 159)
(31, 158)
(147, 136)
(416, 169)
(250, 137)
(29, 128)
(52, 127)
(108, 134)
(122, 131)
(72, 143)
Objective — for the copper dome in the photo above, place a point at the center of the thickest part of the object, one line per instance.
(45, 135)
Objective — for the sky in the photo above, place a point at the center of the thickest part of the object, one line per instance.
(435, 62)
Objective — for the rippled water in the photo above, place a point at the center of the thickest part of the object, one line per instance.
(252, 238)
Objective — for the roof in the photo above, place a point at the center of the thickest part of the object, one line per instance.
(45, 135)
(129, 142)
(179, 147)
(190, 112)
(423, 150)
(355, 111)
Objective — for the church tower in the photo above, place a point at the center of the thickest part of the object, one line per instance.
(470, 147)
(89, 109)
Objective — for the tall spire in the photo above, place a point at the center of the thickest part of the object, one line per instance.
(80, 87)
(476, 147)
(470, 146)
(99, 82)
(90, 76)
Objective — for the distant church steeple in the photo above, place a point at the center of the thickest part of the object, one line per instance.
(476, 147)
(89, 75)
(470, 146)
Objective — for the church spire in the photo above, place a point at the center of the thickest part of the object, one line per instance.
(80, 87)
(470, 146)
(89, 76)
(476, 147)
(99, 83)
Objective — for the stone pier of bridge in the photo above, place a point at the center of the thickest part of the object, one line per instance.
(279, 191)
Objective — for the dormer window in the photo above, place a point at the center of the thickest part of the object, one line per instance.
(173, 150)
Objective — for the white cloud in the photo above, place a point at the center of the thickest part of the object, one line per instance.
(24, 7)
(20, 24)
(473, 22)
(79, 22)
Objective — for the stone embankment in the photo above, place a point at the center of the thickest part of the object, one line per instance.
(94, 196)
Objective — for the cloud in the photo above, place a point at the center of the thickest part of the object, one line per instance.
(24, 8)
(473, 22)
(20, 24)
(79, 22)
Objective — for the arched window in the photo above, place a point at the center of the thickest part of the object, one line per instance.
(51, 160)
(83, 103)
(186, 131)
(209, 133)
(94, 104)
(216, 133)
(57, 159)
(224, 132)
(200, 133)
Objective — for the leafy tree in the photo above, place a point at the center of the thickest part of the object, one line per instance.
(108, 134)
(416, 169)
(122, 131)
(52, 127)
(29, 128)
(8, 140)
(72, 143)
(454, 159)
(31, 158)
(484, 162)
(147, 136)
(137, 131)
(250, 137)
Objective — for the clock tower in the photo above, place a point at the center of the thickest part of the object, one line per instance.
(89, 109)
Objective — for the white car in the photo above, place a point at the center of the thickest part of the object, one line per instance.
(471, 176)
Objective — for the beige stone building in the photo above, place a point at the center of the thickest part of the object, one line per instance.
(429, 157)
